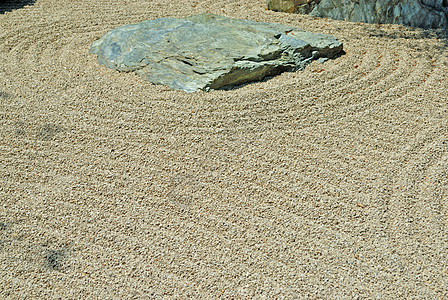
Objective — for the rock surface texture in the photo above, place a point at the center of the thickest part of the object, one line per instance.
(417, 13)
(207, 51)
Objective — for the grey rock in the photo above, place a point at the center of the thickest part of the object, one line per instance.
(208, 51)
(416, 13)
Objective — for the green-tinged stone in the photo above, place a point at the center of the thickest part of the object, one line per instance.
(208, 51)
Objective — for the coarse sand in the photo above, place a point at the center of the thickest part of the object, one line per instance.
(327, 183)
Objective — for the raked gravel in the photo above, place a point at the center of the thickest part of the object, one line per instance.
(328, 183)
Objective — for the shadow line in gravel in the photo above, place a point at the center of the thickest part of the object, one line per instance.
(417, 34)
(9, 5)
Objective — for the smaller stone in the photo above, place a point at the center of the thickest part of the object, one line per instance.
(422, 13)
(291, 6)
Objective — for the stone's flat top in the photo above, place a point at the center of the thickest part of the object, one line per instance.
(209, 51)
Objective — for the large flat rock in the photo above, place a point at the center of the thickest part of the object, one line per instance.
(208, 51)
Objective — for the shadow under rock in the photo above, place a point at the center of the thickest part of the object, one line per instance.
(9, 5)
